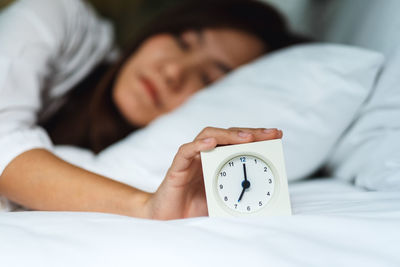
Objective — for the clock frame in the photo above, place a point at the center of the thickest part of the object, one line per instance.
(271, 153)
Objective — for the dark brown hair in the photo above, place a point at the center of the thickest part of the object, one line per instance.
(91, 120)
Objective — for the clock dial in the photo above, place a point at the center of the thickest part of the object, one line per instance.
(245, 183)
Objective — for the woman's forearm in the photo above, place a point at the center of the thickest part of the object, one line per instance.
(39, 180)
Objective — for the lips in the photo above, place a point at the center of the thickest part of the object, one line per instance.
(151, 90)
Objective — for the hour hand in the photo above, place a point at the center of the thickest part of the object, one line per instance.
(241, 195)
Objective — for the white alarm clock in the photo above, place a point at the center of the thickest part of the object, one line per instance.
(246, 180)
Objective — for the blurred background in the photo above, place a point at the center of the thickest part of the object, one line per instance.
(323, 20)
(127, 15)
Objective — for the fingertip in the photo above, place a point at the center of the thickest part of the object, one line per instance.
(270, 130)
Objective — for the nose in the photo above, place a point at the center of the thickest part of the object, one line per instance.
(174, 72)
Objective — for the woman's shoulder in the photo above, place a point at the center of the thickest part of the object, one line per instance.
(55, 16)
(57, 41)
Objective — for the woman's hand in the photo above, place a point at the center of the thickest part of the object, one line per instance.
(182, 192)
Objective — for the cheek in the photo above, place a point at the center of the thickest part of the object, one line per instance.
(121, 99)
(190, 88)
(125, 94)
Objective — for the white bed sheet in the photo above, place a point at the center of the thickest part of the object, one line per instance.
(334, 224)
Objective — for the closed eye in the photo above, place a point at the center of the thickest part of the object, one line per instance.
(182, 43)
(205, 79)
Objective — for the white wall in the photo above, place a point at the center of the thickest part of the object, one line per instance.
(373, 24)
(296, 12)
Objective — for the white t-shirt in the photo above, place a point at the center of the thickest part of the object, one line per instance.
(46, 47)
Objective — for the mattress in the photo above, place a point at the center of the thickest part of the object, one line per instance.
(333, 224)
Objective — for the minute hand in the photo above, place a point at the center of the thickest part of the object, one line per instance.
(244, 170)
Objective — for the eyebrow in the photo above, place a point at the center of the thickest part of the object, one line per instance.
(220, 65)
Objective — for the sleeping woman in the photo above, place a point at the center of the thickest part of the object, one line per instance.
(63, 82)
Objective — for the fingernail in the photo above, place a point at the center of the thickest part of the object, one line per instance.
(207, 140)
(268, 131)
(243, 134)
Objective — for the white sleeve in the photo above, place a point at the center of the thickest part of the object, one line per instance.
(43, 44)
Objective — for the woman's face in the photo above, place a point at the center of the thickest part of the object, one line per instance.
(166, 70)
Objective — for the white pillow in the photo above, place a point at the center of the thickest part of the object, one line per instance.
(369, 154)
(311, 92)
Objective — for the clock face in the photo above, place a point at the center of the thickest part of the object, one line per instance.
(245, 184)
